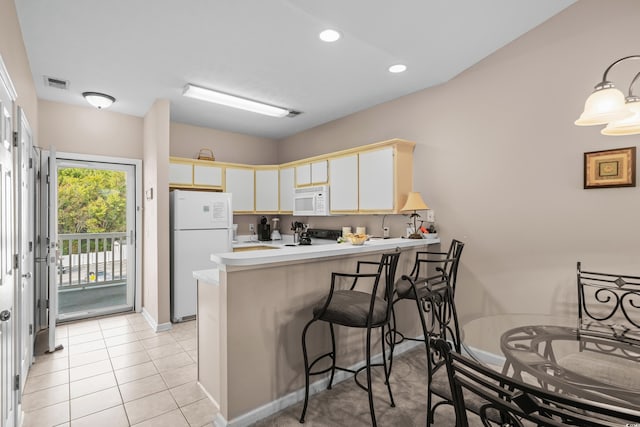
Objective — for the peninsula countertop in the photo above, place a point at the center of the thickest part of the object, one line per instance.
(279, 253)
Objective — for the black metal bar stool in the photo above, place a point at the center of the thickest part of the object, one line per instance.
(434, 295)
(356, 309)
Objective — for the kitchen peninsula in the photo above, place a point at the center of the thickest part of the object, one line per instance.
(251, 311)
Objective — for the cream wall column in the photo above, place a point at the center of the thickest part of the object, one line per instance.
(155, 267)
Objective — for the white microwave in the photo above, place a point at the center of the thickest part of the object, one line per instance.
(311, 201)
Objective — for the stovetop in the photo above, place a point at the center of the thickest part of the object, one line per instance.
(320, 233)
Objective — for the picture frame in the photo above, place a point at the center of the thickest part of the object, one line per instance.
(610, 168)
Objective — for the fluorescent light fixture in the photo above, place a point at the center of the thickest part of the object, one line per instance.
(99, 100)
(398, 68)
(233, 101)
(329, 36)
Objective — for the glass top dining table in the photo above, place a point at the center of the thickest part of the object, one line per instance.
(548, 351)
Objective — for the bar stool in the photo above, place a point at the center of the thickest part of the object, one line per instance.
(356, 309)
(434, 295)
(437, 292)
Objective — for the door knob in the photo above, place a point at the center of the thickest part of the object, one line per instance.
(5, 315)
(27, 275)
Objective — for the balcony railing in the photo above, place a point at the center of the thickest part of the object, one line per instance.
(92, 259)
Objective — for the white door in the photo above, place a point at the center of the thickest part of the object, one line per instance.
(8, 394)
(52, 247)
(25, 215)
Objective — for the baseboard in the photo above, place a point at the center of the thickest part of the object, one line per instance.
(152, 322)
(298, 395)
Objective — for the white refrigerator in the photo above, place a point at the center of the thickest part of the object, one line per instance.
(201, 224)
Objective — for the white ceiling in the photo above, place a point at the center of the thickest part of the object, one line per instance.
(267, 50)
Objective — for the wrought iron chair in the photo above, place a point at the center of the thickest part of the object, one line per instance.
(608, 305)
(514, 403)
(356, 309)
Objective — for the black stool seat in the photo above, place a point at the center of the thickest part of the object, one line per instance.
(351, 308)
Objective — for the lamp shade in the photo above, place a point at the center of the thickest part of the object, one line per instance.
(414, 203)
(628, 126)
(603, 105)
(99, 100)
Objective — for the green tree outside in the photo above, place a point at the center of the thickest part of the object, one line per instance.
(91, 201)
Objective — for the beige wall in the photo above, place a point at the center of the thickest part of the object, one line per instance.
(15, 59)
(155, 267)
(187, 140)
(87, 130)
(499, 160)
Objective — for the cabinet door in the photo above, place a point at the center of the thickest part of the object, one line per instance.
(319, 172)
(205, 175)
(267, 190)
(343, 175)
(303, 174)
(287, 185)
(240, 183)
(180, 173)
(376, 179)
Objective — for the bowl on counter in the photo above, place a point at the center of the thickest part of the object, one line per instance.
(357, 239)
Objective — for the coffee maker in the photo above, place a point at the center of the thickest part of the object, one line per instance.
(264, 230)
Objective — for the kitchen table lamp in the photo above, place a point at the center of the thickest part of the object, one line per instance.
(608, 105)
(415, 204)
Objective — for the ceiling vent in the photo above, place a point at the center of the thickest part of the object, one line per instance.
(57, 83)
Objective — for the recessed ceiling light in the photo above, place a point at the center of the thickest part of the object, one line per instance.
(398, 68)
(329, 36)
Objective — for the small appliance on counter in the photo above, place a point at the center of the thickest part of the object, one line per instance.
(264, 230)
(275, 229)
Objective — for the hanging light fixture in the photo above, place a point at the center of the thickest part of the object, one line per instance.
(608, 105)
(99, 100)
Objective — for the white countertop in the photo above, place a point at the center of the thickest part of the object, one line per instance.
(296, 253)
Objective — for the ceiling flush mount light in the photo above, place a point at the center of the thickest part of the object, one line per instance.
(233, 101)
(99, 100)
(329, 36)
(608, 105)
(397, 68)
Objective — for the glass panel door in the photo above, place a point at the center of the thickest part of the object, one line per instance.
(96, 223)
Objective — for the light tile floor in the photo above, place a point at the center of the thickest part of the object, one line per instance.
(117, 372)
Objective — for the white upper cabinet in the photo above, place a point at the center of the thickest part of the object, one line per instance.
(319, 174)
(312, 173)
(180, 173)
(207, 175)
(303, 174)
(240, 183)
(287, 185)
(376, 177)
(267, 190)
(343, 175)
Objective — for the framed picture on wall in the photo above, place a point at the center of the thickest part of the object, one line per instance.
(610, 168)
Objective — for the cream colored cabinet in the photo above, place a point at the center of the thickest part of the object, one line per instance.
(376, 175)
(287, 185)
(207, 175)
(267, 190)
(240, 183)
(319, 172)
(343, 183)
(312, 173)
(189, 173)
(303, 174)
(180, 174)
